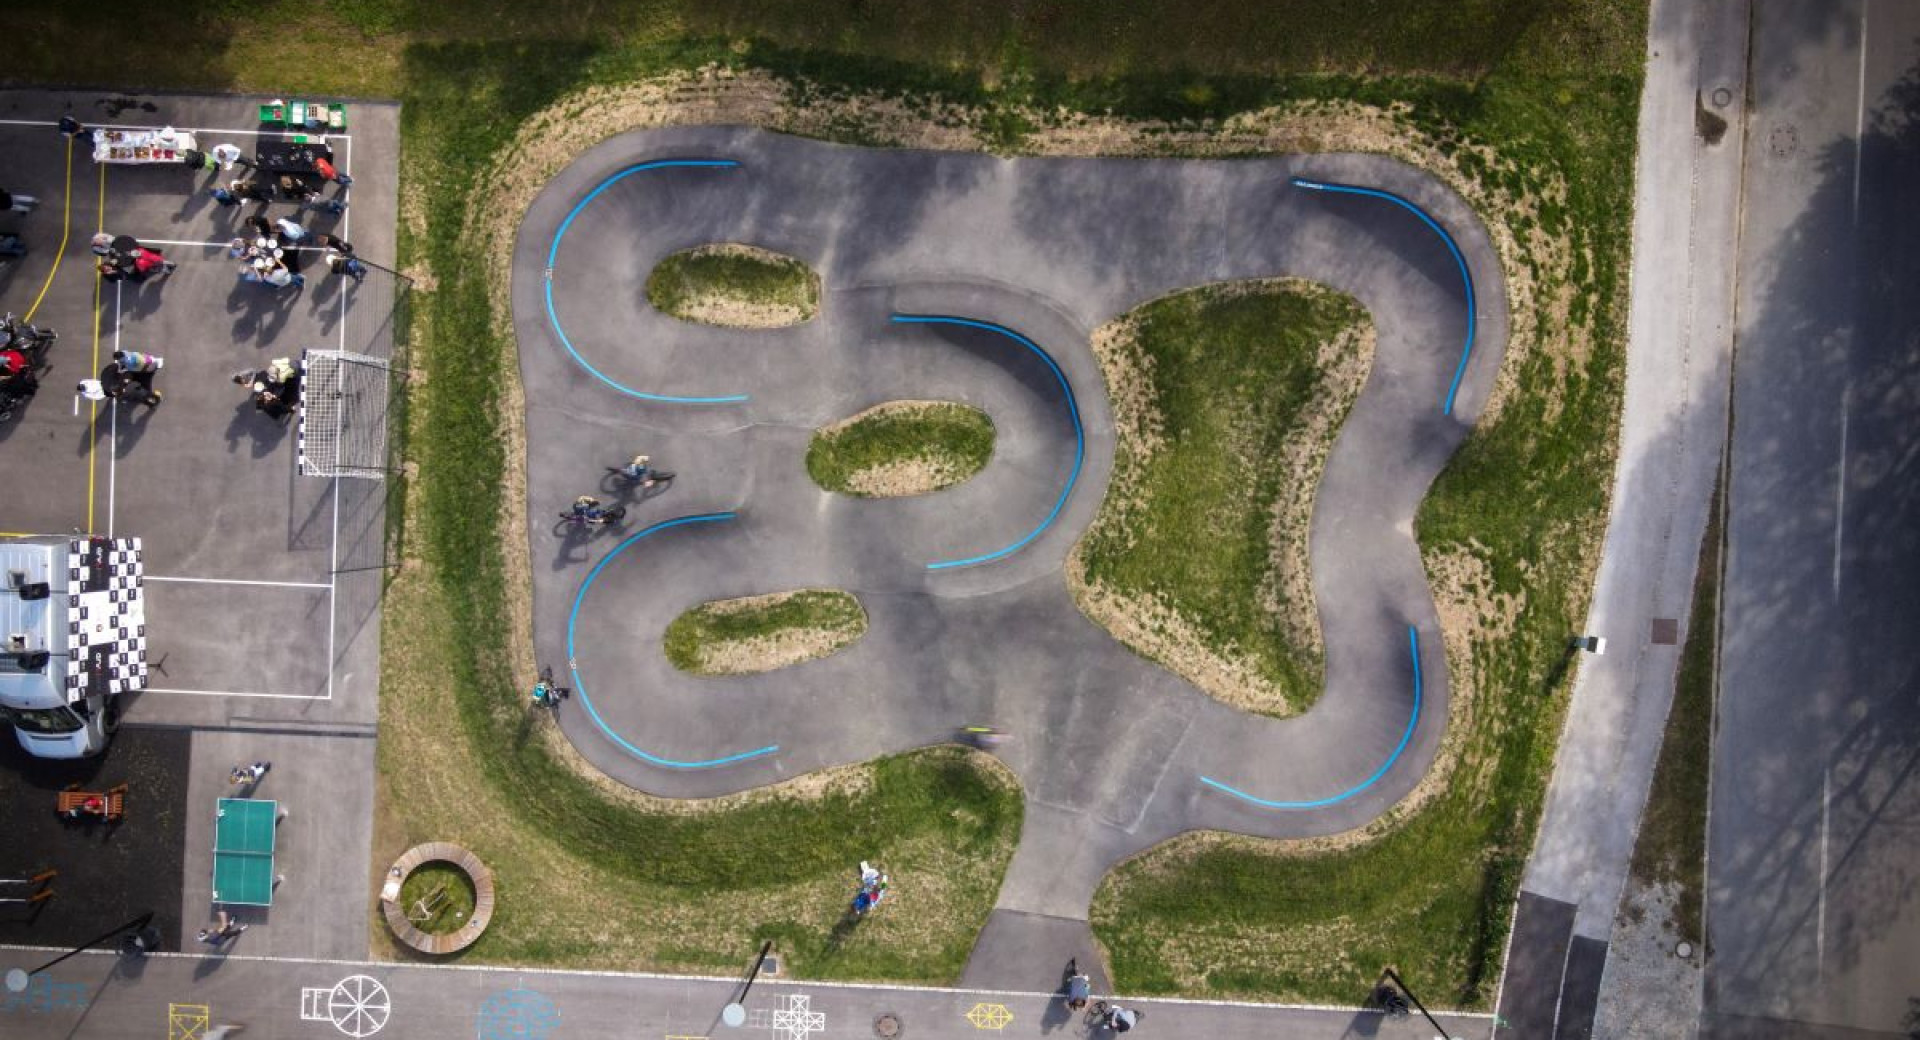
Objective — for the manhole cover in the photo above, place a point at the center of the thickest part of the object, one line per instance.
(1722, 97)
(888, 1026)
(1784, 140)
(1684, 950)
(1666, 631)
(771, 965)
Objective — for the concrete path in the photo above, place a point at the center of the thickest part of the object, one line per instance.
(1110, 748)
(1686, 208)
(99, 996)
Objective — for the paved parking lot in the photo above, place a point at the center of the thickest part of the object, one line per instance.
(263, 584)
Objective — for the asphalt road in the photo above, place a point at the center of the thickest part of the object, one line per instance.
(1813, 878)
(1111, 748)
(177, 996)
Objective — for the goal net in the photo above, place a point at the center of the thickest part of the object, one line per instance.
(344, 398)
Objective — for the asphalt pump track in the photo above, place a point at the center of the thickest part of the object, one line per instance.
(963, 277)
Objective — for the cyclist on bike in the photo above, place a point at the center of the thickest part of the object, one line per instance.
(1120, 1019)
(640, 470)
(588, 509)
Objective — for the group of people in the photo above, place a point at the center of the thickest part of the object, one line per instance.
(269, 253)
(275, 388)
(122, 256)
(127, 376)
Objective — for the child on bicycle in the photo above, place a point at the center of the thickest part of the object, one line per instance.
(640, 470)
(588, 508)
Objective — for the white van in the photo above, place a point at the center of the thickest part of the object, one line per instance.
(73, 638)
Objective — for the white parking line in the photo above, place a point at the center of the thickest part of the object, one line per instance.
(241, 581)
(244, 693)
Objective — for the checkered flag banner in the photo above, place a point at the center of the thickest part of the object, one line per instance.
(344, 399)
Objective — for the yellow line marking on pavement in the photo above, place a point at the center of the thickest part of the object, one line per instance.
(187, 1021)
(66, 224)
(990, 1016)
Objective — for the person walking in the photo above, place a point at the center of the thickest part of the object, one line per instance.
(17, 203)
(221, 1031)
(248, 775)
(196, 160)
(140, 368)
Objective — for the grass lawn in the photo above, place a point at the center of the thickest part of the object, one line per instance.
(901, 448)
(1228, 414)
(759, 634)
(1672, 847)
(736, 286)
(1526, 100)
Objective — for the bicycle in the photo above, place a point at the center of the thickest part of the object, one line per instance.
(1112, 1017)
(591, 520)
(546, 694)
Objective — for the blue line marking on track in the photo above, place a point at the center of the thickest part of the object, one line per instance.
(1466, 276)
(1413, 637)
(553, 252)
(580, 685)
(1073, 412)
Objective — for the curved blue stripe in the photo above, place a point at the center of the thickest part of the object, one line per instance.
(1073, 412)
(580, 685)
(1466, 276)
(1413, 636)
(553, 252)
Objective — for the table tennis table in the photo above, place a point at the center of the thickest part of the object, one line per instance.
(243, 836)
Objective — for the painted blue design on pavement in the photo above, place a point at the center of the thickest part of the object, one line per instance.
(580, 684)
(1073, 412)
(517, 1014)
(43, 995)
(553, 253)
(1466, 276)
(1413, 637)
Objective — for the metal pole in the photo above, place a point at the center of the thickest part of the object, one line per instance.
(765, 948)
(131, 926)
(1402, 983)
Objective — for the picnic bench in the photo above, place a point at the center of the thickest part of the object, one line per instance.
(109, 805)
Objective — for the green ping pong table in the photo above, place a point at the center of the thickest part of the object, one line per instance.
(243, 851)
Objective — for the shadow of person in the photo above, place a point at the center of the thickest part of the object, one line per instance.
(573, 543)
(265, 431)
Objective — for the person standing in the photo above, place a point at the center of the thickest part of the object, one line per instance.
(224, 928)
(229, 155)
(196, 160)
(326, 170)
(340, 258)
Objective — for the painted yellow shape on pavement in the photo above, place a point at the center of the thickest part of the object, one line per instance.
(187, 1021)
(990, 1016)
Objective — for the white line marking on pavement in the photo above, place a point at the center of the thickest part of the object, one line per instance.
(1820, 917)
(188, 129)
(242, 581)
(242, 693)
(1840, 488)
(333, 577)
(113, 424)
(1860, 112)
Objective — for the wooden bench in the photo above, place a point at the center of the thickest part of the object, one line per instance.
(109, 805)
